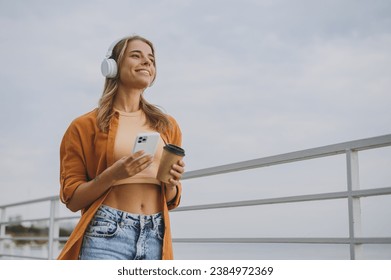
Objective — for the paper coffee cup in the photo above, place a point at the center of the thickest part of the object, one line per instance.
(170, 156)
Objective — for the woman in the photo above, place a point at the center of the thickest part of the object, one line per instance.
(124, 207)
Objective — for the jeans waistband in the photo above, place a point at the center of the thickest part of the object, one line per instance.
(122, 216)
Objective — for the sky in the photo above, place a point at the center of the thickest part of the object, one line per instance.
(244, 79)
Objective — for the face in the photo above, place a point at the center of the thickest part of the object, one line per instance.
(137, 69)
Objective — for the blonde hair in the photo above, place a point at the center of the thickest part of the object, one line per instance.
(155, 117)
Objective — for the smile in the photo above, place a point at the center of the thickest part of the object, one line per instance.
(144, 71)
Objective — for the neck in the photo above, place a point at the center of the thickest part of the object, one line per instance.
(128, 100)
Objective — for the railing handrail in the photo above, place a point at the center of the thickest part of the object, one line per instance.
(243, 203)
(353, 194)
(31, 201)
(287, 199)
(324, 151)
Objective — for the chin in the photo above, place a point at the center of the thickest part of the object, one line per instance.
(144, 82)
(138, 84)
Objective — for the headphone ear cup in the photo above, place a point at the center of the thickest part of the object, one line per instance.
(109, 68)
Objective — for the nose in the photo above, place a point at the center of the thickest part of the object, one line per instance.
(147, 61)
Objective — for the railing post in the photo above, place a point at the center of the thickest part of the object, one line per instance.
(2, 230)
(354, 206)
(53, 227)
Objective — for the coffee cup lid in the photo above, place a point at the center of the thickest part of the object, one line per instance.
(175, 149)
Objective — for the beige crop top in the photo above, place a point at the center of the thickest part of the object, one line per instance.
(130, 124)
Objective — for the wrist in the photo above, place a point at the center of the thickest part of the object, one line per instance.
(171, 193)
(108, 177)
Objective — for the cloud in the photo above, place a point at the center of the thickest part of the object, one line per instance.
(268, 69)
(277, 76)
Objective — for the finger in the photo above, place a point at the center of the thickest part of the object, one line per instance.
(178, 168)
(181, 163)
(139, 159)
(139, 165)
(146, 159)
(135, 156)
(173, 182)
(176, 175)
(131, 163)
(143, 164)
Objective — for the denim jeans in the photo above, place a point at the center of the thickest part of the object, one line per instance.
(116, 235)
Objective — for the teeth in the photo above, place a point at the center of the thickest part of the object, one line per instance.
(144, 71)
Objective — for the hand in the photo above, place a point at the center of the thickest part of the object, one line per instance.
(129, 166)
(177, 171)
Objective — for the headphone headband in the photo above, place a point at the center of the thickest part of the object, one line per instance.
(112, 46)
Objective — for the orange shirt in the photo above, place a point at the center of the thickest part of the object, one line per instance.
(86, 152)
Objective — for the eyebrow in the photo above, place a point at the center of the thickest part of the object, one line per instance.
(138, 51)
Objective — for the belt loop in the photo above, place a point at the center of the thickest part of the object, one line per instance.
(154, 223)
(121, 215)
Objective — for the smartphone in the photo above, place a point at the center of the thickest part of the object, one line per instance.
(146, 141)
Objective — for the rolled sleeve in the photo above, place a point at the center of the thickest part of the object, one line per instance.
(174, 203)
(176, 139)
(72, 164)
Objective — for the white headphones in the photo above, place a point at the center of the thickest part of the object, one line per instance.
(109, 66)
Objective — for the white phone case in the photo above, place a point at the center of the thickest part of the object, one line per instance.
(147, 142)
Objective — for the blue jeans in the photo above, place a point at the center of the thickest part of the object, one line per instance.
(116, 235)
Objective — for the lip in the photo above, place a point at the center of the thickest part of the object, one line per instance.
(145, 71)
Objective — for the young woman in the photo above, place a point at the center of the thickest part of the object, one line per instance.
(124, 207)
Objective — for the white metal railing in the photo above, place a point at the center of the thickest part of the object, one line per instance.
(353, 194)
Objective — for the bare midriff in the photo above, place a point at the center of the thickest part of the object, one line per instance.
(137, 198)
